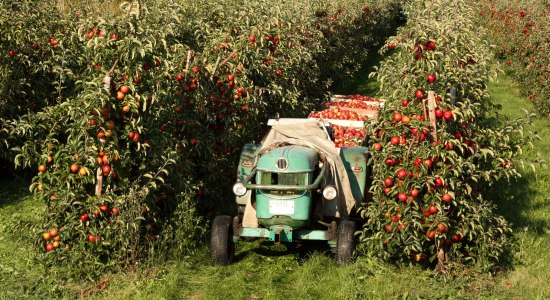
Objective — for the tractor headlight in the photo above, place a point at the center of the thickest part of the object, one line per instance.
(239, 189)
(329, 192)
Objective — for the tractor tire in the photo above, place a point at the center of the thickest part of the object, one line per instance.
(345, 243)
(222, 247)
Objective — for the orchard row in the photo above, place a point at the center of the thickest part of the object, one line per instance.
(142, 110)
(435, 155)
(520, 33)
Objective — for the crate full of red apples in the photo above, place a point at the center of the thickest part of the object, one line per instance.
(362, 105)
(347, 136)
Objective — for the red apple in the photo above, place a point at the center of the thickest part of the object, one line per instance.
(106, 170)
(395, 140)
(91, 238)
(448, 115)
(50, 247)
(84, 217)
(397, 116)
(438, 113)
(402, 174)
(419, 94)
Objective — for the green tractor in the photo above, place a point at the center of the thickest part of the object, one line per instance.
(294, 185)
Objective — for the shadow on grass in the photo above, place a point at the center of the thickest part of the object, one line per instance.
(523, 201)
(517, 202)
(301, 251)
(13, 184)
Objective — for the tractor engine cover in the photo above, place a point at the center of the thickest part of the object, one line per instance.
(285, 166)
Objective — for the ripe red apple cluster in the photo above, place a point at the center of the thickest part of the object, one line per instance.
(424, 46)
(347, 137)
(360, 104)
(446, 115)
(359, 97)
(94, 238)
(336, 113)
(52, 238)
(99, 33)
(103, 210)
(103, 160)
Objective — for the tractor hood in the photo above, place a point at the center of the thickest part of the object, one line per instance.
(288, 159)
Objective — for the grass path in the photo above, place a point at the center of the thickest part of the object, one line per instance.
(18, 212)
(265, 271)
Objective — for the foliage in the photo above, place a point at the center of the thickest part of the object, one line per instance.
(132, 118)
(265, 270)
(427, 195)
(519, 31)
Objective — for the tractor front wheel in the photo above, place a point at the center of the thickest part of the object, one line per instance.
(345, 244)
(221, 241)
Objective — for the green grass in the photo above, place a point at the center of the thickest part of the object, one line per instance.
(525, 201)
(18, 212)
(265, 271)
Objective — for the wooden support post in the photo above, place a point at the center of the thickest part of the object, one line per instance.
(99, 181)
(107, 78)
(190, 55)
(431, 112)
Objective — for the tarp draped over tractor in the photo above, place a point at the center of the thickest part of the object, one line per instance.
(313, 135)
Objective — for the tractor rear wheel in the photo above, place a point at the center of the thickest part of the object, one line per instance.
(345, 244)
(221, 241)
